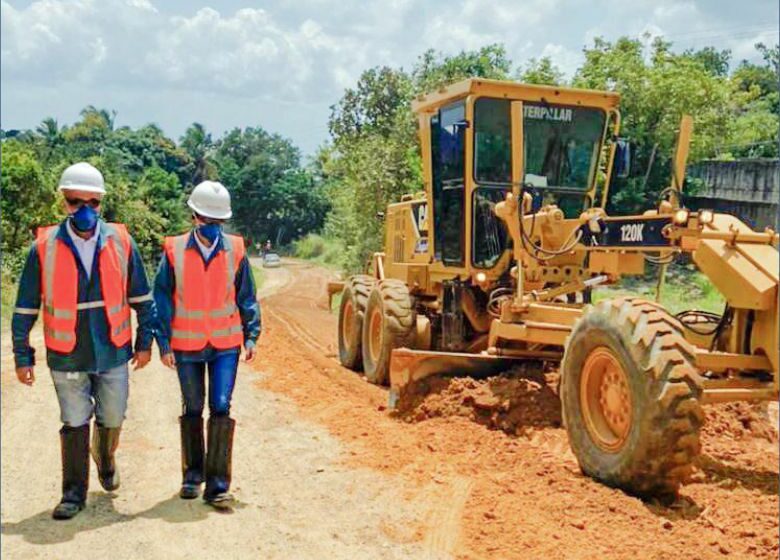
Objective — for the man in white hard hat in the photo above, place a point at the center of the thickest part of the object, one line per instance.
(208, 309)
(86, 274)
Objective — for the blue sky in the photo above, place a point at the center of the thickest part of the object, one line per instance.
(281, 64)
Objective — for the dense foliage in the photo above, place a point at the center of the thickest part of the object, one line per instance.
(149, 177)
(373, 155)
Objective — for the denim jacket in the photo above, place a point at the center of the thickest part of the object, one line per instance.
(94, 351)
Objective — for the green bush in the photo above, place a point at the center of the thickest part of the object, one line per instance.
(320, 249)
(8, 289)
(310, 247)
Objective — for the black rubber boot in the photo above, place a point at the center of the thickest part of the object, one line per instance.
(104, 444)
(219, 461)
(74, 443)
(192, 455)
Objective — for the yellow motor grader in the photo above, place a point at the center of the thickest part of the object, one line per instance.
(497, 260)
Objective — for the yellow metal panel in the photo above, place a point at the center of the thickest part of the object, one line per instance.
(721, 361)
(515, 90)
(681, 156)
(531, 333)
(468, 187)
(425, 148)
(743, 284)
(517, 146)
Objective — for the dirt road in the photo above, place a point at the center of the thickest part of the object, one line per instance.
(323, 471)
(297, 497)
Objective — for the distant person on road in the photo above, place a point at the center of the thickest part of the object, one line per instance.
(208, 309)
(267, 248)
(86, 274)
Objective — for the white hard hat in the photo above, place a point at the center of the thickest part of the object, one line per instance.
(211, 200)
(82, 177)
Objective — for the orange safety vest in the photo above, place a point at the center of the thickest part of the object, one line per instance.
(204, 306)
(60, 287)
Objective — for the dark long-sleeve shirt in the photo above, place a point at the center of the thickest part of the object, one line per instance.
(246, 301)
(94, 351)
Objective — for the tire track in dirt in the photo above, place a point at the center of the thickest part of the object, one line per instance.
(443, 537)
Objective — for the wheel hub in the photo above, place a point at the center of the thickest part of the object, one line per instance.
(348, 325)
(375, 340)
(605, 399)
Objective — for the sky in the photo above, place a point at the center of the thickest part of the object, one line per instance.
(281, 64)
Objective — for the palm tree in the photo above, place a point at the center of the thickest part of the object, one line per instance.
(197, 143)
(108, 117)
(49, 131)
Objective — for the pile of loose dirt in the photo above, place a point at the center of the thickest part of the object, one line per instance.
(740, 420)
(515, 402)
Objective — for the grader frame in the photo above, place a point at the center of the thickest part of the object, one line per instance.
(633, 376)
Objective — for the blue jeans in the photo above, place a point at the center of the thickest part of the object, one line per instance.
(81, 394)
(222, 378)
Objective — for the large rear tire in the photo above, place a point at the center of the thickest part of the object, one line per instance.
(389, 323)
(354, 298)
(630, 397)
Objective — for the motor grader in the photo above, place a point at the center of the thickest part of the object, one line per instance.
(497, 260)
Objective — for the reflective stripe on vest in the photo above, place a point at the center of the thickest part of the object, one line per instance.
(60, 296)
(204, 310)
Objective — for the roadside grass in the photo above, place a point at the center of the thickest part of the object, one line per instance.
(319, 249)
(685, 288)
(335, 303)
(259, 275)
(7, 297)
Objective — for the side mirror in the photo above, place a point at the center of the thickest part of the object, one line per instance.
(622, 158)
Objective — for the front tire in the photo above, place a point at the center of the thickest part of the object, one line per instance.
(630, 397)
(389, 323)
(354, 298)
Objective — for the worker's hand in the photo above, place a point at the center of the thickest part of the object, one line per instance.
(250, 353)
(169, 360)
(25, 375)
(140, 359)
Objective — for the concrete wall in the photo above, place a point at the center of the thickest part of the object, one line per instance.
(747, 188)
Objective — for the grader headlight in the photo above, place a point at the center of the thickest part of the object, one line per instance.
(706, 217)
(681, 217)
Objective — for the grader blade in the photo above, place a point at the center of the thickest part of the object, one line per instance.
(333, 289)
(409, 367)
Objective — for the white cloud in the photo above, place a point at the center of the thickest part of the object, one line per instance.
(675, 10)
(566, 59)
(129, 42)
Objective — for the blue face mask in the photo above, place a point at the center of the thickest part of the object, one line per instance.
(210, 232)
(84, 219)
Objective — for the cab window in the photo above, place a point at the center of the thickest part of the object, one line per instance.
(448, 128)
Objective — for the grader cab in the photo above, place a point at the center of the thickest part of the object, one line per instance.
(496, 262)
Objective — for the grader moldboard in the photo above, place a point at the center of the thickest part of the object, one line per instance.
(496, 261)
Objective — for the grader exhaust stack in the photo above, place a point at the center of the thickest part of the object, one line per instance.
(495, 263)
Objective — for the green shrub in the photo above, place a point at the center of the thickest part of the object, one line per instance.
(319, 249)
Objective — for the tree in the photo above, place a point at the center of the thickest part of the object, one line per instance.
(27, 200)
(541, 71)
(163, 194)
(654, 96)
(49, 131)
(434, 70)
(197, 143)
(372, 107)
(136, 150)
(714, 61)
(256, 167)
